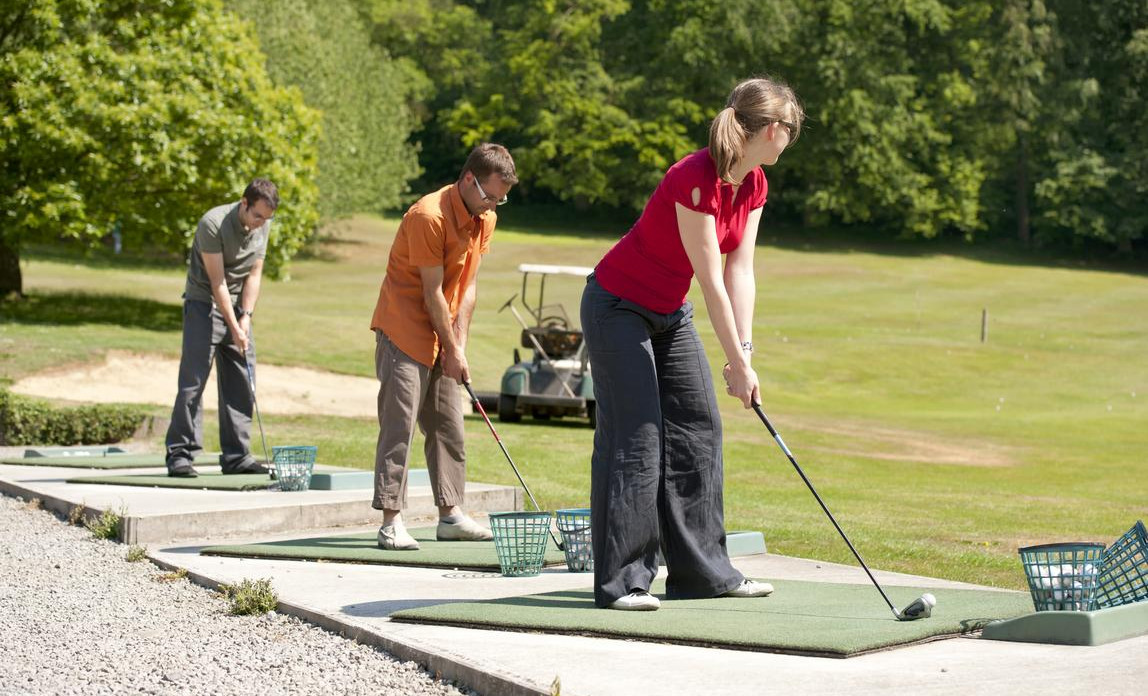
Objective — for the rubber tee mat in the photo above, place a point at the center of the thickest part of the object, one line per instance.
(363, 548)
(205, 481)
(110, 461)
(806, 618)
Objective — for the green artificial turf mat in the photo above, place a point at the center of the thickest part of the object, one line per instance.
(363, 548)
(96, 450)
(212, 482)
(809, 618)
(110, 461)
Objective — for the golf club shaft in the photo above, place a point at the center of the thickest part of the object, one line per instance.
(478, 406)
(793, 461)
(258, 418)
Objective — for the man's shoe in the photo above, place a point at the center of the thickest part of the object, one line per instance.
(750, 588)
(465, 529)
(182, 469)
(394, 537)
(637, 600)
(252, 468)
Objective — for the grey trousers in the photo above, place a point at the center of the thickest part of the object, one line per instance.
(207, 340)
(411, 394)
(656, 471)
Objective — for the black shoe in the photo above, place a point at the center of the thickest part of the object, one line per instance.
(182, 469)
(252, 468)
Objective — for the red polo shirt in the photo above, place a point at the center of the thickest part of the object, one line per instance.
(649, 265)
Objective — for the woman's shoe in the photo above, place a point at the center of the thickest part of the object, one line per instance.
(750, 588)
(637, 600)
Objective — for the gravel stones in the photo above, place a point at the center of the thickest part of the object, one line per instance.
(77, 618)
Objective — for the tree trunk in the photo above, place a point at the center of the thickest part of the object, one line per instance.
(11, 281)
(1022, 214)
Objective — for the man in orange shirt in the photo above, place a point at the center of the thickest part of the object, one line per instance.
(421, 325)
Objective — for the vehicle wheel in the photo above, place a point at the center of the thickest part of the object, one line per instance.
(592, 413)
(506, 409)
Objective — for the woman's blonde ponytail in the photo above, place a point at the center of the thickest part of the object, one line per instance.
(752, 105)
(727, 142)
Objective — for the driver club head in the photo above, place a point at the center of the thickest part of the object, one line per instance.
(920, 608)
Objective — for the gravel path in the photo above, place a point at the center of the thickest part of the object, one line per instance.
(77, 618)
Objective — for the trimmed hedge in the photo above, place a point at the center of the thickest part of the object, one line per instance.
(25, 421)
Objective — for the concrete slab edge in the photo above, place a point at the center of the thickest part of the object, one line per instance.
(61, 507)
(442, 666)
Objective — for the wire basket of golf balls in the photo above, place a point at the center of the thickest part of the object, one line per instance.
(293, 466)
(1063, 577)
(574, 524)
(1124, 569)
(520, 541)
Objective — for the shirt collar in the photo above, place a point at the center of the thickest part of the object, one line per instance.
(463, 220)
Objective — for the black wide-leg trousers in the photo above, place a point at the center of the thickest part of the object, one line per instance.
(656, 471)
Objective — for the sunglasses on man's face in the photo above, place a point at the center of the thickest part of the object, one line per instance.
(501, 201)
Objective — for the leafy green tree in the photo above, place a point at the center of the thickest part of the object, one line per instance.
(325, 49)
(1020, 51)
(442, 48)
(141, 114)
(1092, 186)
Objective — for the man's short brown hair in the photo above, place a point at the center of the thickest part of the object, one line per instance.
(489, 158)
(262, 190)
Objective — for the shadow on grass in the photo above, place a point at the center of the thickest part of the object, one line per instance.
(75, 308)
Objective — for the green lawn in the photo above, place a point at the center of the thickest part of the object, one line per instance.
(938, 454)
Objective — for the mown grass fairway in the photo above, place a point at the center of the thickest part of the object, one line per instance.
(938, 454)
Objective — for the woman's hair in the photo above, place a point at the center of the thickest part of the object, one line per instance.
(753, 105)
(489, 158)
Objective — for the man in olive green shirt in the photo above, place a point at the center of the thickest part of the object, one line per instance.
(223, 280)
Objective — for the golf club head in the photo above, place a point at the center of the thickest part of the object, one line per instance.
(920, 608)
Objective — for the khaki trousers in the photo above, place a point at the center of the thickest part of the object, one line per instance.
(411, 394)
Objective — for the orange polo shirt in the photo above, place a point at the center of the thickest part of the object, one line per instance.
(436, 231)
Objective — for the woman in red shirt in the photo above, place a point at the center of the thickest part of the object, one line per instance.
(657, 463)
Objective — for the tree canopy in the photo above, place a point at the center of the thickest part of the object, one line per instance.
(965, 118)
(325, 49)
(143, 115)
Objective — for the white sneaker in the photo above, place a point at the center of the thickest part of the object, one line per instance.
(750, 588)
(394, 537)
(465, 529)
(638, 600)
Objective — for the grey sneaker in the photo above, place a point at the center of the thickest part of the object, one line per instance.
(465, 529)
(750, 588)
(394, 537)
(637, 600)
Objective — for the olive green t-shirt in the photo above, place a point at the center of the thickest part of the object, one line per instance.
(218, 232)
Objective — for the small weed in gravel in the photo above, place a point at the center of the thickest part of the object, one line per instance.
(106, 526)
(136, 553)
(251, 597)
(34, 504)
(177, 574)
(76, 514)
